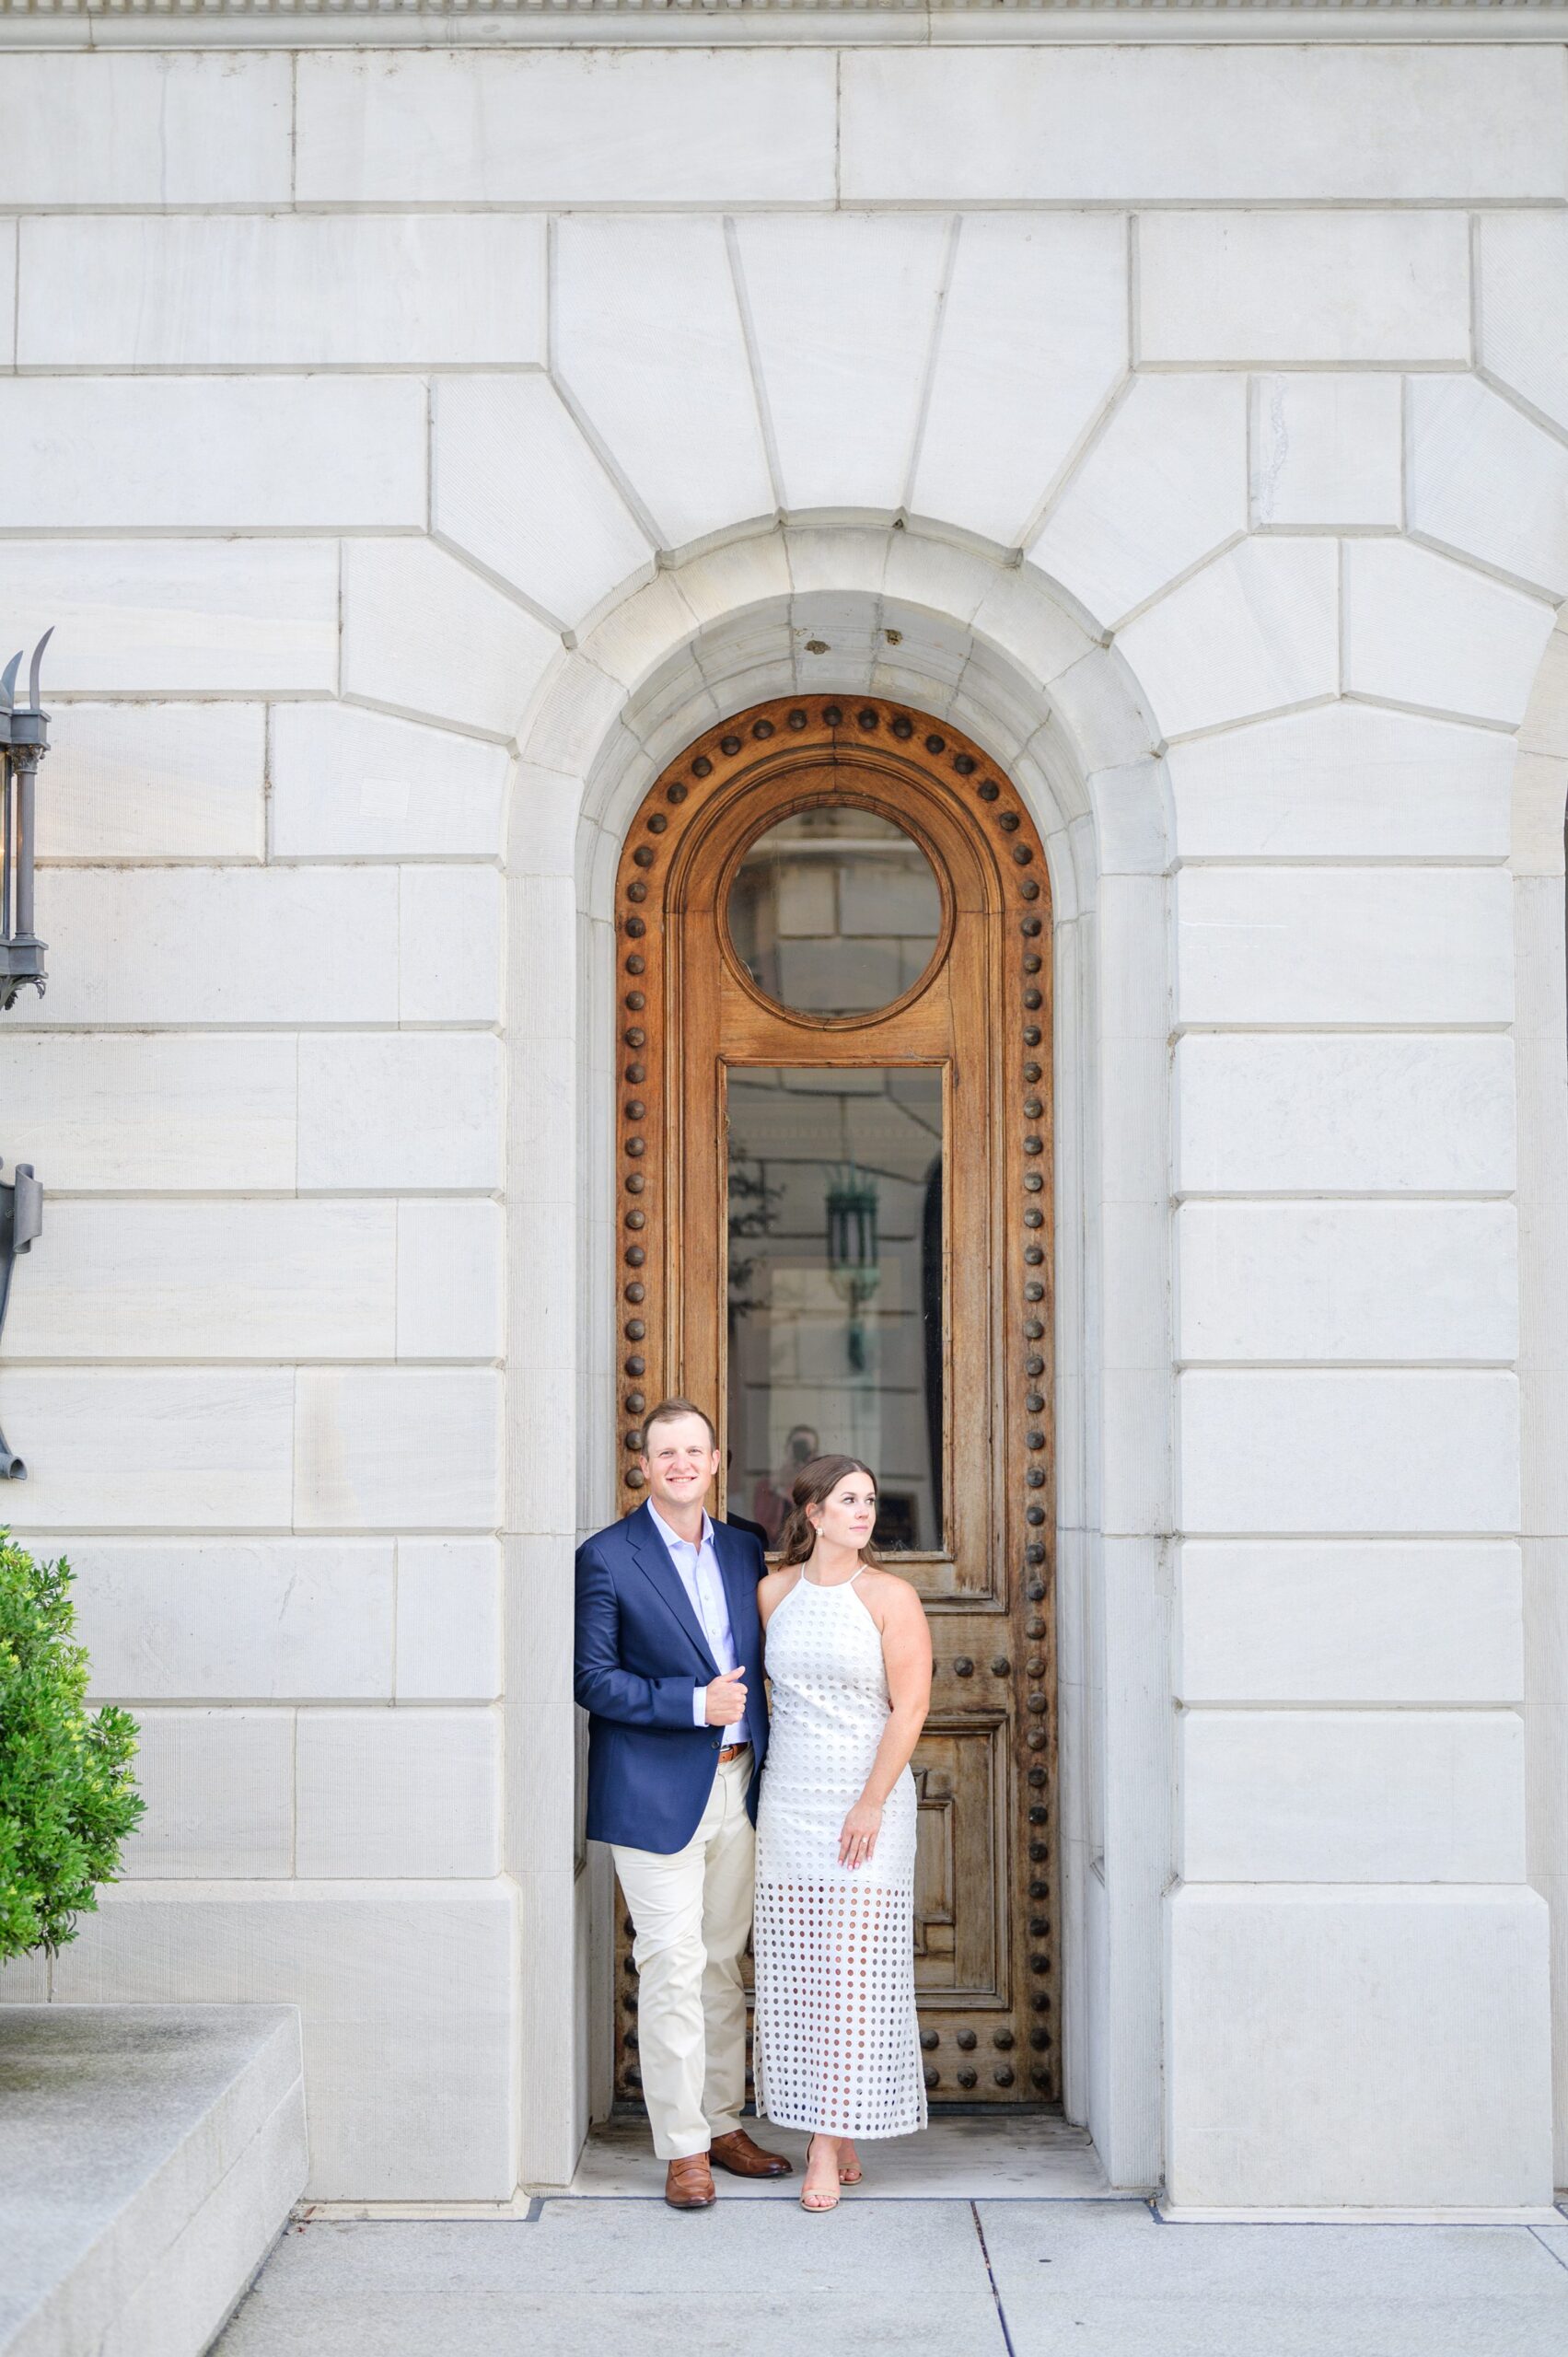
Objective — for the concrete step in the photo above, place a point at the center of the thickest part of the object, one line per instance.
(149, 2155)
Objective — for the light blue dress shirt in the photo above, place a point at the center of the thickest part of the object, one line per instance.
(698, 1566)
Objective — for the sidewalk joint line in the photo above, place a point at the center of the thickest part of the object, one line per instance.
(991, 2279)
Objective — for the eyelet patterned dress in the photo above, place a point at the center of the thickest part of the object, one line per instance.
(837, 2042)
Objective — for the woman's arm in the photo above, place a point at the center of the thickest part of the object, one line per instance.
(906, 1655)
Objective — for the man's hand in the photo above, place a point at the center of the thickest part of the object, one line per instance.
(727, 1700)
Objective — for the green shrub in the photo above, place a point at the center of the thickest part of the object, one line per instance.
(67, 1798)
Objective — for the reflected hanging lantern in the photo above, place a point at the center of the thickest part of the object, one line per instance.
(24, 740)
(853, 1250)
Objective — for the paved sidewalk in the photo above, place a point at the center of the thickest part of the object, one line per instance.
(580, 2274)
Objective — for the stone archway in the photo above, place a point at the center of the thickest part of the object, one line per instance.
(959, 635)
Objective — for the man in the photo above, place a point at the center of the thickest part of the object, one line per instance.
(669, 1670)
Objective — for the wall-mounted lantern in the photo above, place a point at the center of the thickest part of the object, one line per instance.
(24, 740)
(21, 1218)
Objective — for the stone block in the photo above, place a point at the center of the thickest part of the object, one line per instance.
(269, 290)
(1320, 1281)
(516, 485)
(219, 1788)
(1356, 2049)
(1108, 723)
(1420, 629)
(132, 1111)
(246, 2212)
(1356, 1452)
(845, 400)
(606, 128)
(1349, 1621)
(399, 1109)
(427, 637)
(154, 782)
(1334, 287)
(450, 936)
(1327, 449)
(406, 1992)
(682, 424)
(347, 783)
(1522, 331)
(234, 1279)
(1197, 123)
(449, 1637)
(1033, 343)
(282, 454)
(1254, 631)
(395, 1448)
(1344, 780)
(400, 1795)
(1162, 487)
(450, 1279)
(1333, 1114)
(1539, 797)
(151, 1448)
(541, 1613)
(230, 1620)
(148, 617)
(1486, 481)
(1356, 1796)
(155, 129)
(1427, 945)
(181, 2133)
(238, 944)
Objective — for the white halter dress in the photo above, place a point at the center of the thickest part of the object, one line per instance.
(837, 2042)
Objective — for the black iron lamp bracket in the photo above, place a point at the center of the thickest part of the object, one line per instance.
(21, 1219)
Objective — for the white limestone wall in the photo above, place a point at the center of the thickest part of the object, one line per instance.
(352, 391)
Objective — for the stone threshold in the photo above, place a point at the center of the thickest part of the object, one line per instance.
(1176, 2213)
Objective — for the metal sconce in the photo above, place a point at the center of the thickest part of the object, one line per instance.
(24, 739)
(21, 1218)
(853, 1250)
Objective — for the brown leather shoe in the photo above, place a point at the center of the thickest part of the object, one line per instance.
(741, 2157)
(689, 2183)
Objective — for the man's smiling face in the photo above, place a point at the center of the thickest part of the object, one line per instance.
(680, 1462)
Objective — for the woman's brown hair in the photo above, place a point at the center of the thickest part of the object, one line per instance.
(815, 1482)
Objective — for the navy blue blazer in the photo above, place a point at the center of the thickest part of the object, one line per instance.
(640, 1652)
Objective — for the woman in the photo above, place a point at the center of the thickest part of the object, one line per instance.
(848, 1658)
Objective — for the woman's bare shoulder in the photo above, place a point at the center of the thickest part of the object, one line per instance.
(888, 1594)
(773, 1588)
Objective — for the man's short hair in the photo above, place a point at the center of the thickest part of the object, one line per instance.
(666, 1413)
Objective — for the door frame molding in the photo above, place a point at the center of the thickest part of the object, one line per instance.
(751, 769)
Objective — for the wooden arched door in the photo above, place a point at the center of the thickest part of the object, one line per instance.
(834, 1209)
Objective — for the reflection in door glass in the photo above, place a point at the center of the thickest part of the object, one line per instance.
(834, 910)
(835, 1287)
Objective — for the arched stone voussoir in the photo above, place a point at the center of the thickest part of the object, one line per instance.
(819, 607)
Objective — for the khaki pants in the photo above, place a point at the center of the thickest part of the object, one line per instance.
(691, 1913)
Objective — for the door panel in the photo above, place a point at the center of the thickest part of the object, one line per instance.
(833, 946)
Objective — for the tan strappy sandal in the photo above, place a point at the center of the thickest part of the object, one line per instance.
(815, 2203)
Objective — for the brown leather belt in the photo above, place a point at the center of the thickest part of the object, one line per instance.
(732, 1751)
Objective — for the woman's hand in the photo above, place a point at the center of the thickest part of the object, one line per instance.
(857, 1842)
